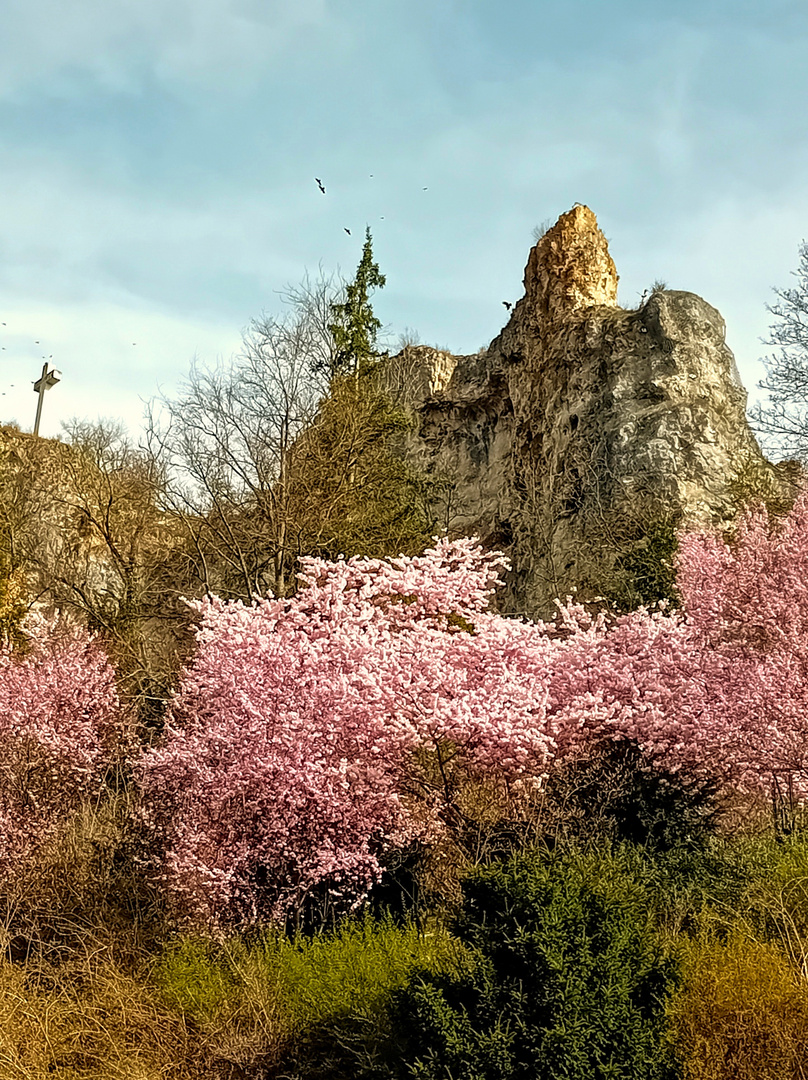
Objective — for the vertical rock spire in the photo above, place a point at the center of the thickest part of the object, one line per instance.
(570, 269)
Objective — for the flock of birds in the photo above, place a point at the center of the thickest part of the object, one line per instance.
(11, 386)
(321, 186)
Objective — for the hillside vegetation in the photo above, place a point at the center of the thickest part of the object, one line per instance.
(282, 795)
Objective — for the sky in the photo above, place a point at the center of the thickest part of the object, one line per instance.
(158, 162)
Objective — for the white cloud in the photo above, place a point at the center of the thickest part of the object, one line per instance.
(46, 43)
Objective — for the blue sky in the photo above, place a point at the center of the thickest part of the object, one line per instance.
(157, 164)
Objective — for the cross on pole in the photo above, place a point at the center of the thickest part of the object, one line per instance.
(43, 383)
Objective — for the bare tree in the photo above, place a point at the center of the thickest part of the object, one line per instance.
(81, 533)
(224, 444)
(114, 558)
(785, 420)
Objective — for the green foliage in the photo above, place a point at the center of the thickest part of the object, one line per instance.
(756, 886)
(615, 792)
(355, 326)
(326, 998)
(338, 991)
(646, 571)
(191, 979)
(571, 979)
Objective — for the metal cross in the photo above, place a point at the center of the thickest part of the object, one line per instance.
(43, 383)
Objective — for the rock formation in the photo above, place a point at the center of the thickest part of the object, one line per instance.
(585, 430)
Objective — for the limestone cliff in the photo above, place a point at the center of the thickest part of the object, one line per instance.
(584, 428)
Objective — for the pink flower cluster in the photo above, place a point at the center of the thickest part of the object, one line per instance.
(289, 747)
(58, 712)
(290, 738)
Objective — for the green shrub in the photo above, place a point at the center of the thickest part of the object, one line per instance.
(570, 979)
(319, 1005)
(649, 568)
(338, 990)
(616, 793)
(755, 885)
(192, 980)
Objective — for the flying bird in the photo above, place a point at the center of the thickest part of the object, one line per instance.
(348, 231)
(425, 189)
(507, 305)
(320, 185)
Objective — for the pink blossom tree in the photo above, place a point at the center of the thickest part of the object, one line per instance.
(289, 745)
(288, 742)
(59, 714)
(721, 685)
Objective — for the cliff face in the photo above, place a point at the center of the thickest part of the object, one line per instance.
(584, 428)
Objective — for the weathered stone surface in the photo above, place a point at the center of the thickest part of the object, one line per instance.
(584, 426)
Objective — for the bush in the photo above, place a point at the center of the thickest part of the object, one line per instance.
(321, 1005)
(570, 979)
(741, 1014)
(616, 792)
(84, 891)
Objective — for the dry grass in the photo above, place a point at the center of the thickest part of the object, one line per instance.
(742, 1014)
(84, 892)
(91, 1020)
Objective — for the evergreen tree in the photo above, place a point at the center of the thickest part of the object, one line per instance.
(355, 326)
(352, 489)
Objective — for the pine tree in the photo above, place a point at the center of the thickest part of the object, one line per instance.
(352, 489)
(355, 326)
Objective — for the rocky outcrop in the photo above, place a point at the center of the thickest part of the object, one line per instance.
(584, 429)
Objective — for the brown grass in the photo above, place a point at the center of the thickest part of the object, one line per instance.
(91, 1020)
(742, 1013)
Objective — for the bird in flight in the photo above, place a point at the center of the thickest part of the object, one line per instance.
(425, 189)
(320, 185)
(348, 231)
(507, 305)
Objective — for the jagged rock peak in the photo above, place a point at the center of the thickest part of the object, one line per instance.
(570, 269)
(586, 434)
